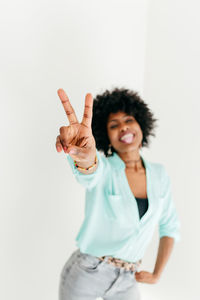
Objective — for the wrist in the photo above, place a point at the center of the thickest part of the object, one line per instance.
(86, 166)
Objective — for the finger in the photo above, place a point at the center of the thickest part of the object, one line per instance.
(67, 107)
(137, 273)
(87, 116)
(59, 146)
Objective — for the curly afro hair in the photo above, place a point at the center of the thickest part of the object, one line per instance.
(125, 100)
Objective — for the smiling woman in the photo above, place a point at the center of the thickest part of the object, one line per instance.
(115, 109)
(126, 197)
(125, 137)
(125, 130)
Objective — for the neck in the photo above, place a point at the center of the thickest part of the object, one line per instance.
(132, 160)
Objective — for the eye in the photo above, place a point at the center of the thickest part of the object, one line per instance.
(129, 120)
(113, 126)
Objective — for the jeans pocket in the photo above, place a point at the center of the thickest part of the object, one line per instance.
(89, 263)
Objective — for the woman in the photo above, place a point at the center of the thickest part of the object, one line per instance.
(126, 197)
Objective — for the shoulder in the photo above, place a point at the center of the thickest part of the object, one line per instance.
(111, 162)
(157, 169)
(101, 157)
(154, 166)
(103, 160)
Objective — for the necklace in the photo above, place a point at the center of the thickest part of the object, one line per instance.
(135, 161)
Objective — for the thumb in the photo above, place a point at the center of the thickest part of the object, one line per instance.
(77, 153)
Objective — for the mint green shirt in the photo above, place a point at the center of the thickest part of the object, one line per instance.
(112, 225)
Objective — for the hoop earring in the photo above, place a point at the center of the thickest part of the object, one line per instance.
(109, 150)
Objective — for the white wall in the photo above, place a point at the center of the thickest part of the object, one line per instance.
(172, 87)
(88, 46)
(81, 46)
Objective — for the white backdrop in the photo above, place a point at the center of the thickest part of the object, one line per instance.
(88, 46)
(171, 85)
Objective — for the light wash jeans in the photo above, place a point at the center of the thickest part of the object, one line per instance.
(85, 277)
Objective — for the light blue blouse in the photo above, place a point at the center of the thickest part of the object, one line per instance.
(112, 225)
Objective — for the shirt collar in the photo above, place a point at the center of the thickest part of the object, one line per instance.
(117, 162)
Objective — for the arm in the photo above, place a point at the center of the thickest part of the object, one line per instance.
(79, 144)
(164, 251)
(89, 180)
(91, 165)
(169, 223)
(169, 226)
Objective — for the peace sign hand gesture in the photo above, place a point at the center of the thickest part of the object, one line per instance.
(77, 139)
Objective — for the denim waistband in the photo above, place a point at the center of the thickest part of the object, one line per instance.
(117, 262)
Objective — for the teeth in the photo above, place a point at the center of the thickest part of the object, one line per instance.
(126, 136)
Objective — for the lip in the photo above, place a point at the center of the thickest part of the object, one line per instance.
(124, 133)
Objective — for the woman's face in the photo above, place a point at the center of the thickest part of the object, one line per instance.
(124, 132)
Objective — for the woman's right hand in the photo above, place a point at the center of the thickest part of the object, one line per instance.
(77, 139)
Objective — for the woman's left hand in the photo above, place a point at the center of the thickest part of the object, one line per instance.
(146, 277)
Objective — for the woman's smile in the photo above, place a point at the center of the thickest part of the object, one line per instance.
(127, 138)
(124, 131)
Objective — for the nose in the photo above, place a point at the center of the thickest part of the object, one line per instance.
(123, 127)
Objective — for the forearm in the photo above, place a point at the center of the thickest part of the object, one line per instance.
(91, 180)
(91, 164)
(89, 171)
(164, 251)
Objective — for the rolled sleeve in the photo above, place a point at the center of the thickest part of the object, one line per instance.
(169, 223)
(89, 180)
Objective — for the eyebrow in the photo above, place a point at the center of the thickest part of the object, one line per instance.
(118, 119)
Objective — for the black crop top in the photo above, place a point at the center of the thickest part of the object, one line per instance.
(142, 205)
